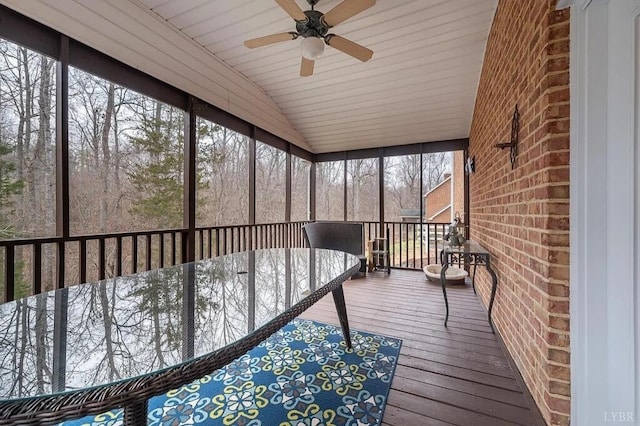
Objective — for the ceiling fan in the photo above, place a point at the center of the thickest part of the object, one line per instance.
(314, 26)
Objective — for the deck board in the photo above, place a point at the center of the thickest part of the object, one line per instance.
(459, 375)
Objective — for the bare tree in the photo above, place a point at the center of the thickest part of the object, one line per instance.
(223, 160)
(435, 166)
(270, 183)
(330, 190)
(362, 189)
(300, 170)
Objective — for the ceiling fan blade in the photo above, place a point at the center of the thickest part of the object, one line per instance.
(346, 10)
(270, 39)
(349, 47)
(306, 68)
(292, 8)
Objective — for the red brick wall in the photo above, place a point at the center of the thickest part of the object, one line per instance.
(437, 199)
(444, 217)
(522, 216)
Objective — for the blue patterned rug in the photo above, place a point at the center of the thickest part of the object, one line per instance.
(303, 375)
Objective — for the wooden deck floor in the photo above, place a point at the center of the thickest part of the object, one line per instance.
(459, 375)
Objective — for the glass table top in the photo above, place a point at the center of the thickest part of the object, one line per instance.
(104, 332)
(469, 246)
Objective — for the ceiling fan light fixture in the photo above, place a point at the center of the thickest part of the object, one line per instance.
(312, 47)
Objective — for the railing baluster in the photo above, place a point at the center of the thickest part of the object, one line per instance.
(173, 248)
(148, 252)
(428, 243)
(435, 244)
(225, 242)
(421, 231)
(233, 239)
(119, 256)
(406, 245)
(414, 245)
(400, 246)
(256, 237)
(134, 254)
(61, 264)
(406, 237)
(161, 250)
(9, 284)
(37, 268)
(101, 258)
(244, 238)
(263, 237)
(83, 260)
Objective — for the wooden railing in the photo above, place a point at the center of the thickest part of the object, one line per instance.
(412, 245)
(220, 240)
(34, 265)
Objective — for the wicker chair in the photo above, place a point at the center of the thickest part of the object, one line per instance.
(343, 236)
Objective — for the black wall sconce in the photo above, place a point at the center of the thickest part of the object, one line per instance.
(513, 144)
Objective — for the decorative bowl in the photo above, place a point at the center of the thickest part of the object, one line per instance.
(454, 275)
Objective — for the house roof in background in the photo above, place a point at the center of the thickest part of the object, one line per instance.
(409, 213)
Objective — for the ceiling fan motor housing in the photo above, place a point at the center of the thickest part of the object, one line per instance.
(314, 26)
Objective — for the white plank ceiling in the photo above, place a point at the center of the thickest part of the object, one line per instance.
(420, 85)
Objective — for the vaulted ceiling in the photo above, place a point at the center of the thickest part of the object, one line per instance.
(419, 86)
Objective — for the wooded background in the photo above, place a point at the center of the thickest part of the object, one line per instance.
(126, 167)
